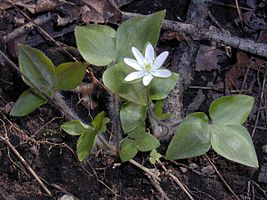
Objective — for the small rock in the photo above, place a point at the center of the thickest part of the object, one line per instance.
(192, 166)
(262, 178)
(208, 170)
(67, 197)
(264, 149)
(183, 169)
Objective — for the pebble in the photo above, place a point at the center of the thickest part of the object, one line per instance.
(67, 197)
(208, 170)
(262, 178)
(264, 149)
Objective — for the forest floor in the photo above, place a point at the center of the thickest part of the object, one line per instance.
(216, 70)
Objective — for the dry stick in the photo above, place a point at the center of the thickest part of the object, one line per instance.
(5, 139)
(176, 180)
(63, 190)
(221, 177)
(159, 189)
(239, 12)
(43, 19)
(227, 5)
(260, 100)
(154, 178)
(146, 170)
(246, 45)
(42, 30)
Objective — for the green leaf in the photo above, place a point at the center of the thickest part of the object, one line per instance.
(192, 138)
(234, 143)
(132, 115)
(158, 111)
(141, 141)
(137, 32)
(96, 43)
(161, 87)
(128, 149)
(85, 144)
(113, 79)
(37, 67)
(231, 109)
(145, 141)
(69, 75)
(154, 156)
(27, 102)
(99, 123)
(75, 127)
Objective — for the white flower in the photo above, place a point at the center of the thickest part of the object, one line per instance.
(147, 67)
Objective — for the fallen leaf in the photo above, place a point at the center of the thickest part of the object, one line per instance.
(207, 58)
(46, 5)
(170, 35)
(85, 91)
(71, 12)
(100, 11)
(239, 69)
(5, 5)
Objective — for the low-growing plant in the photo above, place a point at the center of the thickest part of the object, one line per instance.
(134, 75)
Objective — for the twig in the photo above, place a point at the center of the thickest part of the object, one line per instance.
(5, 139)
(239, 12)
(96, 176)
(146, 170)
(42, 30)
(221, 177)
(43, 19)
(63, 190)
(259, 105)
(227, 5)
(154, 178)
(159, 189)
(246, 45)
(176, 180)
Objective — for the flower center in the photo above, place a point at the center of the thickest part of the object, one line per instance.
(148, 67)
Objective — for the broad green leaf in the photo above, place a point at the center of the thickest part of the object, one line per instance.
(128, 149)
(27, 102)
(231, 109)
(76, 127)
(96, 43)
(146, 141)
(234, 143)
(137, 32)
(132, 115)
(154, 156)
(85, 144)
(192, 138)
(142, 141)
(113, 79)
(37, 67)
(161, 87)
(99, 123)
(69, 75)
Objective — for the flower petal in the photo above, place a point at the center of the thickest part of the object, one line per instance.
(161, 73)
(160, 60)
(150, 54)
(134, 75)
(139, 57)
(147, 79)
(133, 63)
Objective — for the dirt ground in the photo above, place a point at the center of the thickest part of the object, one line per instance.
(51, 153)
